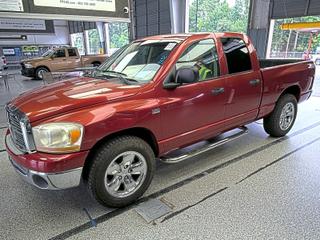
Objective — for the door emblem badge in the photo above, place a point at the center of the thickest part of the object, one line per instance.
(155, 111)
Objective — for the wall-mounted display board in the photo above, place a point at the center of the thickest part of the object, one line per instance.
(76, 10)
(26, 25)
(95, 5)
(8, 51)
(12, 5)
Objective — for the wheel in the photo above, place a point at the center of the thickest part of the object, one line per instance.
(96, 64)
(281, 120)
(121, 171)
(40, 71)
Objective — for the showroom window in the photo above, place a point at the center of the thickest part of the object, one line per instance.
(203, 55)
(77, 40)
(237, 54)
(218, 15)
(119, 35)
(93, 41)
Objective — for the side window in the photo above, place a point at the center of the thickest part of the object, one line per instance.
(72, 52)
(203, 55)
(237, 54)
(60, 53)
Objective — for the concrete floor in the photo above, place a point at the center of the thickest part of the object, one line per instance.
(256, 187)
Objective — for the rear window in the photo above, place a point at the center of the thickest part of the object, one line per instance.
(237, 55)
(72, 52)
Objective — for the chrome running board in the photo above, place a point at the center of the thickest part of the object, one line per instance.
(205, 148)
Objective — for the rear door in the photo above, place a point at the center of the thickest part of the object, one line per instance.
(243, 82)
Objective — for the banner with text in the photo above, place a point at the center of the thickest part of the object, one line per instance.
(96, 5)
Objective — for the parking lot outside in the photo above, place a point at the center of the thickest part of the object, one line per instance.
(256, 187)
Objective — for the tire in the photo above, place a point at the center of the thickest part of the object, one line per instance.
(283, 116)
(109, 178)
(39, 72)
(96, 64)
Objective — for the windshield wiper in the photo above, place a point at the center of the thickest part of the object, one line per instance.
(122, 77)
(111, 71)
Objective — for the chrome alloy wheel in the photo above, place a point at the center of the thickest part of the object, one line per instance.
(41, 72)
(287, 116)
(125, 174)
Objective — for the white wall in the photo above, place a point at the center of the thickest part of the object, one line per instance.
(61, 36)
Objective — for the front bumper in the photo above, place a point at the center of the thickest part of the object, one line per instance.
(49, 181)
(28, 72)
(61, 171)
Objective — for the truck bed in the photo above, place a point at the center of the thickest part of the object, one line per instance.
(265, 63)
(280, 74)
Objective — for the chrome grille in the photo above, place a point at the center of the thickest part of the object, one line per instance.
(16, 120)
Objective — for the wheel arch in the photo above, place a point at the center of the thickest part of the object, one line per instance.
(96, 62)
(42, 66)
(294, 90)
(140, 132)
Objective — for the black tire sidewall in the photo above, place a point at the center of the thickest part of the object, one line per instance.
(37, 72)
(272, 122)
(105, 156)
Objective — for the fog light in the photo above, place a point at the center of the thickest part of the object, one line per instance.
(40, 181)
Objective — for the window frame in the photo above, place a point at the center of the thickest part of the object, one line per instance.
(217, 54)
(65, 53)
(226, 59)
(73, 49)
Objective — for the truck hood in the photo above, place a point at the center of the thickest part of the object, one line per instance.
(33, 60)
(69, 95)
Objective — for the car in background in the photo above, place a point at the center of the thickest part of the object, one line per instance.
(3, 63)
(59, 59)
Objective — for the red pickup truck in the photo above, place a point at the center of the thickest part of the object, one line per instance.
(149, 100)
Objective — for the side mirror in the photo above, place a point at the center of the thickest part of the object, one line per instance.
(171, 85)
(187, 75)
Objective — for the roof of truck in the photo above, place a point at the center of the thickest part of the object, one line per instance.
(184, 36)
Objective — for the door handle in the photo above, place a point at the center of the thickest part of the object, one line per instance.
(254, 82)
(217, 91)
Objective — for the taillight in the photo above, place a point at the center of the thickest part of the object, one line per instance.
(312, 81)
(4, 60)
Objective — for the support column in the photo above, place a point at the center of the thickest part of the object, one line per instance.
(258, 26)
(107, 38)
(100, 28)
(179, 16)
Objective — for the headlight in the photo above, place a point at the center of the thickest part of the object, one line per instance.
(28, 65)
(58, 137)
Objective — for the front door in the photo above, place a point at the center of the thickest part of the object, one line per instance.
(59, 61)
(73, 60)
(195, 111)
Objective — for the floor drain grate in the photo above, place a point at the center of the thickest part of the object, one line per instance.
(153, 209)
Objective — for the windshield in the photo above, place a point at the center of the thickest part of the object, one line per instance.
(139, 61)
(48, 53)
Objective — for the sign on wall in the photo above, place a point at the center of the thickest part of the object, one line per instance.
(12, 5)
(96, 5)
(22, 24)
(30, 49)
(8, 51)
